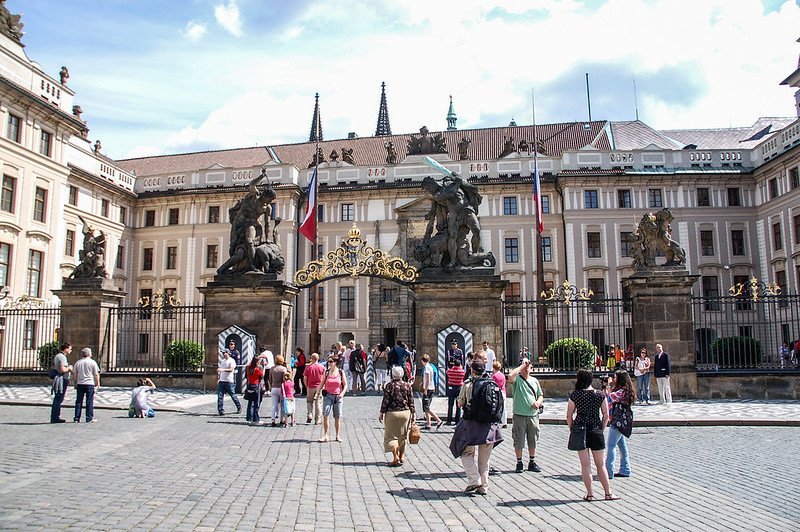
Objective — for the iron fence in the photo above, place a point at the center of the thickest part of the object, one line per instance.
(136, 338)
(742, 333)
(23, 331)
(602, 322)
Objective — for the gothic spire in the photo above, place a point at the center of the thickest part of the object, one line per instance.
(451, 116)
(316, 122)
(383, 129)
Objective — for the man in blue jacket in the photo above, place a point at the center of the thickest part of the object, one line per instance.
(661, 373)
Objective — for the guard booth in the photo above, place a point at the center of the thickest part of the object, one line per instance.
(245, 341)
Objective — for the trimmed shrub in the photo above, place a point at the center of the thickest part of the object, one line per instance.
(570, 354)
(736, 351)
(46, 353)
(184, 355)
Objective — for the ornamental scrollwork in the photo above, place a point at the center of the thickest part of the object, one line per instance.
(354, 258)
(159, 301)
(753, 289)
(567, 293)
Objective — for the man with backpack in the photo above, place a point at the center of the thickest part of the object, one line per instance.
(358, 367)
(398, 356)
(528, 398)
(479, 430)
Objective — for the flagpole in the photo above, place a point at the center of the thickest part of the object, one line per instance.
(314, 340)
(541, 311)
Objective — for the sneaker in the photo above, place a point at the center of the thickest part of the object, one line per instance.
(471, 488)
(533, 467)
(520, 467)
(239, 410)
(493, 472)
(91, 421)
(481, 490)
(621, 475)
(58, 421)
(221, 413)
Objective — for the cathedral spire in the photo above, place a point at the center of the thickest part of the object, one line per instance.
(316, 122)
(383, 129)
(451, 116)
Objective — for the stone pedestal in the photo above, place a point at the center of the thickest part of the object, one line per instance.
(85, 305)
(257, 302)
(471, 300)
(662, 313)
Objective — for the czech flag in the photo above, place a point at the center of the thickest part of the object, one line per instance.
(537, 196)
(309, 224)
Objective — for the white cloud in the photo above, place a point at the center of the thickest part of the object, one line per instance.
(195, 31)
(228, 17)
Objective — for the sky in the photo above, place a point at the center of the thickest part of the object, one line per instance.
(172, 76)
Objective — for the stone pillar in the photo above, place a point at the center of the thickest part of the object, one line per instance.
(471, 301)
(85, 305)
(662, 313)
(257, 302)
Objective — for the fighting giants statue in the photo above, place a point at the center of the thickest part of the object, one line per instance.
(251, 251)
(453, 215)
(652, 235)
(92, 255)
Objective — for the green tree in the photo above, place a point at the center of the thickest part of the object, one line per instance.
(46, 354)
(184, 355)
(570, 354)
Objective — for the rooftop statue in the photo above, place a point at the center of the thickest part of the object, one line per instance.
(653, 234)
(250, 249)
(424, 143)
(319, 158)
(347, 156)
(10, 25)
(508, 148)
(92, 256)
(391, 153)
(64, 75)
(463, 146)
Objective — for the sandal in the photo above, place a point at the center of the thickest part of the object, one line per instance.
(324, 439)
(338, 439)
(588, 498)
(612, 497)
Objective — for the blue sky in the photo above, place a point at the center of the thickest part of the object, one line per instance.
(159, 76)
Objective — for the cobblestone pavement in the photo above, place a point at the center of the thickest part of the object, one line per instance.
(197, 471)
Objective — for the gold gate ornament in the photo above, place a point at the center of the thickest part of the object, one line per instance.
(354, 258)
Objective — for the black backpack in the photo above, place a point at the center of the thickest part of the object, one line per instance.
(487, 402)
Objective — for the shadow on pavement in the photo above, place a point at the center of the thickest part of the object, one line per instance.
(566, 478)
(24, 423)
(539, 502)
(413, 475)
(424, 494)
(365, 464)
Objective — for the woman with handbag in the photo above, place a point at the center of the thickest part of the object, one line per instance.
(621, 397)
(333, 387)
(252, 392)
(397, 414)
(584, 410)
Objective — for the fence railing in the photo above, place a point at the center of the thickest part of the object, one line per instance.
(741, 333)
(602, 322)
(137, 338)
(22, 332)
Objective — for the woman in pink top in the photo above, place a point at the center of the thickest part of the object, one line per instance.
(500, 379)
(333, 387)
(287, 396)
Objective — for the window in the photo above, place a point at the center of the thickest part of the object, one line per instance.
(69, 243)
(737, 242)
(29, 335)
(320, 251)
(173, 216)
(144, 343)
(170, 301)
(598, 286)
(213, 214)
(73, 195)
(5, 263)
(39, 204)
(509, 206)
(797, 230)
(166, 339)
(711, 292)
(13, 129)
(512, 250)
(780, 280)
(123, 214)
(654, 198)
(45, 142)
(512, 295)
(625, 243)
(545, 204)
(348, 212)
(320, 302)
(104, 205)
(743, 280)
(172, 257)
(35, 261)
(391, 295)
(347, 302)
(624, 199)
(707, 243)
(120, 264)
(777, 238)
(149, 218)
(320, 212)
(590, 199)
(773, 188)
(147, 259)
(211, 256)
(794, 177)
(593, 245)
(7, 195)
(734, 197)
(145, 303)
(547, 249)
(703, 197)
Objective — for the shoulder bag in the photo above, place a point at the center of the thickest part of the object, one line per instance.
(541, 407)
(577, 437)
(622, 419)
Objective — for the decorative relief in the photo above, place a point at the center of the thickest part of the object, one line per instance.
(567, 293)
(754, 289)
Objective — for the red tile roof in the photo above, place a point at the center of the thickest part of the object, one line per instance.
(192, 162)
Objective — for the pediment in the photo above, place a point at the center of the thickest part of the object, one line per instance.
(416, 208)
(8, 227)
(38, 235)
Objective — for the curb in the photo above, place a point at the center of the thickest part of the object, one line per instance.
(166, 408)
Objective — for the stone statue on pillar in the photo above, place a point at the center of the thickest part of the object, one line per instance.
(654, 234)
(92, 256)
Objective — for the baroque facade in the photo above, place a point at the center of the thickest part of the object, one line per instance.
(734, 193)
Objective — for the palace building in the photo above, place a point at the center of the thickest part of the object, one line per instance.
(734, 194)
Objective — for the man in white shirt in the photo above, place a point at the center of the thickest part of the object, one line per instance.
(87, 382)
(225, 375)
(351, 345)
(428, 389)
(269, 359)
(490, 356)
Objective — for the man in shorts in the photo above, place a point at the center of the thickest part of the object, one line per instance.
(528, 397)
(428, 388)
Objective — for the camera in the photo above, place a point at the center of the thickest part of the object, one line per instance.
(604, 381)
